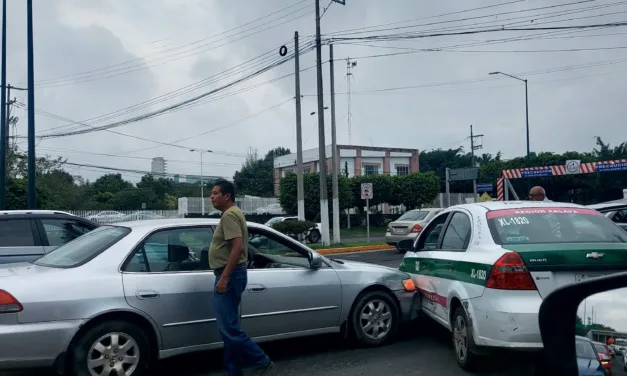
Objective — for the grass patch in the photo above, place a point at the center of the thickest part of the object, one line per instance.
(361, 231)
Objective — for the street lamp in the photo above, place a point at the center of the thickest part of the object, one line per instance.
(202, 184)
(526, 102)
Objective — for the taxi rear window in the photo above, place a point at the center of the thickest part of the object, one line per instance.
(553, 225)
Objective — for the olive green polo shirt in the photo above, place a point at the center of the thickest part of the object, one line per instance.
(232, 225)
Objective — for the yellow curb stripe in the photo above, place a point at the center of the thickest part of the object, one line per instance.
(332, 251)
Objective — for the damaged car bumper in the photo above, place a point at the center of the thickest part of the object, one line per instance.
(506, 319)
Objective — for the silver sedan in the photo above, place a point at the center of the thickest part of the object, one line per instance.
(115, 299)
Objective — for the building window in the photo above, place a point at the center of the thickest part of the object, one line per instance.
(306, 170)
(402, 170)
(371, 170)
(288, 171)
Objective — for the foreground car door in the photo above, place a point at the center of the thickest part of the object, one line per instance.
(165, 278)
(284, 295)
(422, 265)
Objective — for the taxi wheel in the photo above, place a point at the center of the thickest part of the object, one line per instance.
(374, 319)
(111, 348)
(463, 341)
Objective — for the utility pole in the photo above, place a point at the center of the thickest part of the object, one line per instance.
(474, 147)
(3, 115)
(349, 66)
(300, 184)
(324, 201)
(334, 159)
(32, 193)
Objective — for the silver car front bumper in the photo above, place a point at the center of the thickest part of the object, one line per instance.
(35, 345)
(409, 303)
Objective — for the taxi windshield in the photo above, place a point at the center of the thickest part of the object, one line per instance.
(552, 225)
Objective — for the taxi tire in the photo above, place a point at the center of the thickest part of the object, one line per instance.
(471, 361)
(355, 326)
(79, 352)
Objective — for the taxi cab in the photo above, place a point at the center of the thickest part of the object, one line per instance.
(483, 269)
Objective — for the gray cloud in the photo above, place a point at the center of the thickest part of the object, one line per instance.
(567, 108)
(610, 308)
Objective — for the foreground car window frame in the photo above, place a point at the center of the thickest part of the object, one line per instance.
(79, 242)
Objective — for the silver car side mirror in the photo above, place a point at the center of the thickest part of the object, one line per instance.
(315, 260)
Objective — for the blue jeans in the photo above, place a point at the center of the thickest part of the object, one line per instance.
(239, 350)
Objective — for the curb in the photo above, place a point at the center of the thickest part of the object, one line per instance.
(365, 248)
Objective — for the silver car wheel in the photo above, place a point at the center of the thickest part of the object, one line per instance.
(460, 336)
(376, 319)
(113, 354)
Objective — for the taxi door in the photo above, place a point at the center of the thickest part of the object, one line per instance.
(422, 265)
(451, 249)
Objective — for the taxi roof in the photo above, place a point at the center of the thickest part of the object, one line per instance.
(498, 205)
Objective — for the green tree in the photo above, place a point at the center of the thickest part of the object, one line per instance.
(417, 190)
(311, 182)
(256, 176)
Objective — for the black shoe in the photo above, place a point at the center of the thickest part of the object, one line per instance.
(267, 370)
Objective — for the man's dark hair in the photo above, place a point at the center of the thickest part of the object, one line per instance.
(226, 187)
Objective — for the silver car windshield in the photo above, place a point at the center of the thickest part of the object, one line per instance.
(417, 215)
(585, 349)
(84, 248)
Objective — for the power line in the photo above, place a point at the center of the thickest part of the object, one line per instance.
(169, 108)
(140, 62)
(175, 93)
(173, 144)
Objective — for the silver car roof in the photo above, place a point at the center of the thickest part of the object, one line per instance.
(155, 224)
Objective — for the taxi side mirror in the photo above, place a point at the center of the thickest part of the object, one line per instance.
(406, 245)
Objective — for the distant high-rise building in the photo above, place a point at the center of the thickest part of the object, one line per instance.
(158, 166)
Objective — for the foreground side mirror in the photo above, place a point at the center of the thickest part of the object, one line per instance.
(560, 320)
(315, 260)
(406, 245)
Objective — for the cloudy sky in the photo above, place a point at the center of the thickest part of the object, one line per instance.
(610, 308)
(98, 62)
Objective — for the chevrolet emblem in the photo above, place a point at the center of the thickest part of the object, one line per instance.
(595, 255)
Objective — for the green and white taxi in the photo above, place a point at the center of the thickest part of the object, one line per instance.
(483, 269)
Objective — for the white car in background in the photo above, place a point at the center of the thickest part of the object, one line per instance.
(313, 235)
(107, 216)
(274, 209)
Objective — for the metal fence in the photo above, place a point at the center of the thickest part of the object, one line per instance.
(249, 205)
(113, 216)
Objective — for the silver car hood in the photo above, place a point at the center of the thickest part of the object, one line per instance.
(23, 269)
(364, 266)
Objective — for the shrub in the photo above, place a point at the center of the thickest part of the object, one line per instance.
(293, 229)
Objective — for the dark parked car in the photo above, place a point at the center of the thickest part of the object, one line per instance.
(26, 235)
(614, 210)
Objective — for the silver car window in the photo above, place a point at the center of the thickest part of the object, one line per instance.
(175, 250)
(16, 233)
(84, 248)
(414, 215)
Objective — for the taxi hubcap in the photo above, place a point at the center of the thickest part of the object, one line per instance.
(113, 354)
(376, 319)
(460, 338)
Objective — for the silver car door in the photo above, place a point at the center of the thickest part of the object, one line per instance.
(19, 241)
(167, 276)
(284, 295)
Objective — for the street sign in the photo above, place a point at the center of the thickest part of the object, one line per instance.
(572, 166)
(470, 173)
(366, 191)
(484, 187)
(143, 205)
(343, 2)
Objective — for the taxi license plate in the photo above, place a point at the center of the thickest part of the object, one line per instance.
(583, 277)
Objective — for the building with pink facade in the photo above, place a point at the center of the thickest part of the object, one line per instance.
(353, 161)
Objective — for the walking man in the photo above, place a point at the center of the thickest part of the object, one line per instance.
(228, 257)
